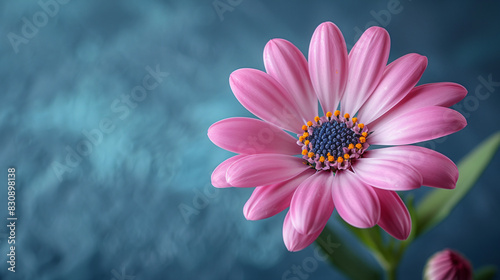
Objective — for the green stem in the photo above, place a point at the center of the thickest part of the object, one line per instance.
(391, 272)
(389, 260)
(391, 263)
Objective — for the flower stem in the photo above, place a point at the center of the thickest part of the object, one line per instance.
(391, 272)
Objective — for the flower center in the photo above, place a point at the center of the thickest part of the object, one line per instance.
(333, 141)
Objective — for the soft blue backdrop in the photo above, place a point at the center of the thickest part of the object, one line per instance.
(116, 213)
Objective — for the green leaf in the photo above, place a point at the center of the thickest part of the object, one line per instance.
(372, 239)
(438, 204)
(486, 273)
(347, 261)
(365, 235)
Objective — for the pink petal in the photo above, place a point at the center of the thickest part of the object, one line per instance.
(264, 169)
(312, 204)
(417, 126)
(394, 216)
(219, 174)
(387, 174)
(436, 94)
(440, 269)
(398, 79)
(328, 65)
(436, 169)
(367, 61)
(267, 201)
(285, 63)
(443, 273)
(252, 136)
(357, 203)
(294, 240)
(266, 98)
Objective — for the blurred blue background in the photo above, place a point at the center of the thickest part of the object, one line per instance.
(139, 204)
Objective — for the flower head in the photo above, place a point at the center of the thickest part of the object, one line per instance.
(448, 265)
(331, 164)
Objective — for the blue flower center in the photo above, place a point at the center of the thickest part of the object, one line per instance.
(333, 141)
(331, 138)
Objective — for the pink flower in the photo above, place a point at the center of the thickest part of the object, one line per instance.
(448, 265)
(380, 105)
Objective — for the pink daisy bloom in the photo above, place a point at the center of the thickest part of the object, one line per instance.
(366, 102)
(448, 265)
